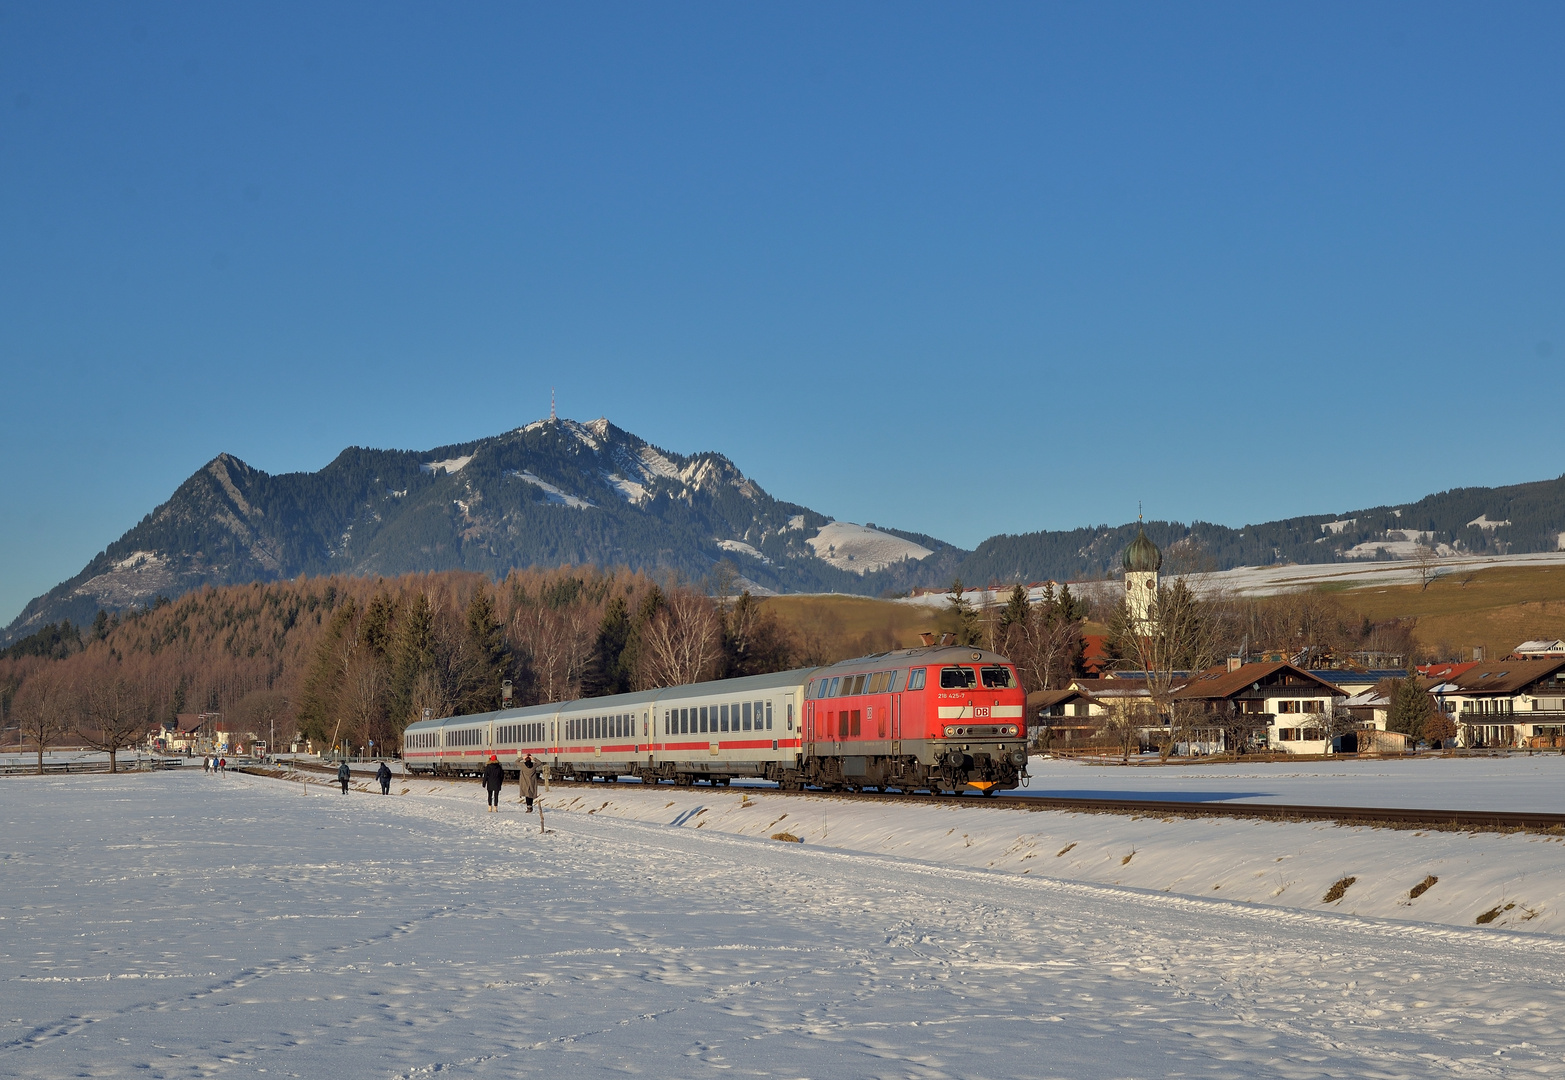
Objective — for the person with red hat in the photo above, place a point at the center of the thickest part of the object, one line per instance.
(494, 780)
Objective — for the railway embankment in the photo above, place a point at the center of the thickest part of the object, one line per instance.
(1500, 880)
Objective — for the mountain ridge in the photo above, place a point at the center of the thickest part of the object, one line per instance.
(549, 493)
(558, 491)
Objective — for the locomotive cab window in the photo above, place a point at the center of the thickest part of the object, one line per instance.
(997, 678)
(957, 678)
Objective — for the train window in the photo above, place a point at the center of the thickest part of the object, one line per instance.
(877, 682)
(842, 724)
(857, 686)
(768, 716)
(684, 721)
(703, 719)
(895, 683)
(996, 678)
(957, 678)
(855, 720)
(915, 679)
(790, 716)
(745, 713)
(832, 691)
(722, 717)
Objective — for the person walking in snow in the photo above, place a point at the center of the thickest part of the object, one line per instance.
(494, 780)
(344, 774)
(527, 781)
(383, 774)
(222, 764)
(206, 765)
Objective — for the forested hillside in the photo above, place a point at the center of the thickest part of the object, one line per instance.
(348, 659)
(1504, 520)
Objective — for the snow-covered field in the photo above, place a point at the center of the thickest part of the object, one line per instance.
(1516, 781)
(190, 925)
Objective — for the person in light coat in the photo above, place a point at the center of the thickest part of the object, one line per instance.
(527, 781)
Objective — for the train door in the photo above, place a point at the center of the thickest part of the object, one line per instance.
(896, 725)
(809, 729)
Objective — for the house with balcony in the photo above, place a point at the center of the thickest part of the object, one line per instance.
(1505, 703)
(1294, 708)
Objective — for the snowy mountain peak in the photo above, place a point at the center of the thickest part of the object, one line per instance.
(552, 492)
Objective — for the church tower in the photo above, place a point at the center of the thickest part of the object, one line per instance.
(1142, 562)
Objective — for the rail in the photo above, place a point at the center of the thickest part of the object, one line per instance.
(1383, 816)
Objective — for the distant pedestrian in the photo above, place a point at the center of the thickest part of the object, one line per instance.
(206, 764)
(344, 774)
(527, 782)
(383, 774)
(222, 764)
(494, 780)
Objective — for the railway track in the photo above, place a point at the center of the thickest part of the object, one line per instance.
(1384, 816)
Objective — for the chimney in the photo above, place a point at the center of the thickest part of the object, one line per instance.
(1235, 663)
(946, 639)
(1478, 654)
(927, 638)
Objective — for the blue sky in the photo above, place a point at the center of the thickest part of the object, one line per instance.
(964, 269)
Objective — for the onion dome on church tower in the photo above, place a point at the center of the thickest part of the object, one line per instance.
(1142, 556)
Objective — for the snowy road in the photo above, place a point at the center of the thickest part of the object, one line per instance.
(187, 925)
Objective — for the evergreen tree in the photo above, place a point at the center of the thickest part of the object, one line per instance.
(967, 629)
(413, 659)
(606, 673)
(1410, 707)
(1070, 608)
(376, 630)
(488, 656)
(1016, 608)
(630, 659)
(322, 690)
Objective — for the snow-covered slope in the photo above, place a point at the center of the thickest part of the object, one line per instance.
(862, 549)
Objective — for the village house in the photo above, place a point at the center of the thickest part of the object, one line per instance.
(1292, 706)
(1064, 719)
(1507, 703)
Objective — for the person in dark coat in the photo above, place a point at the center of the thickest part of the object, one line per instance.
(527, 780)
(383, 774)
(344, 774)
(494, 780)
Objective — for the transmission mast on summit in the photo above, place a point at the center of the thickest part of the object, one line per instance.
(551, 405)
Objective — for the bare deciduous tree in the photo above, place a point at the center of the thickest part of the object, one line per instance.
(683, 642)
(1183, 632)
(43, 710)
(1426, 560)
(114, 714)
(560, 641)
